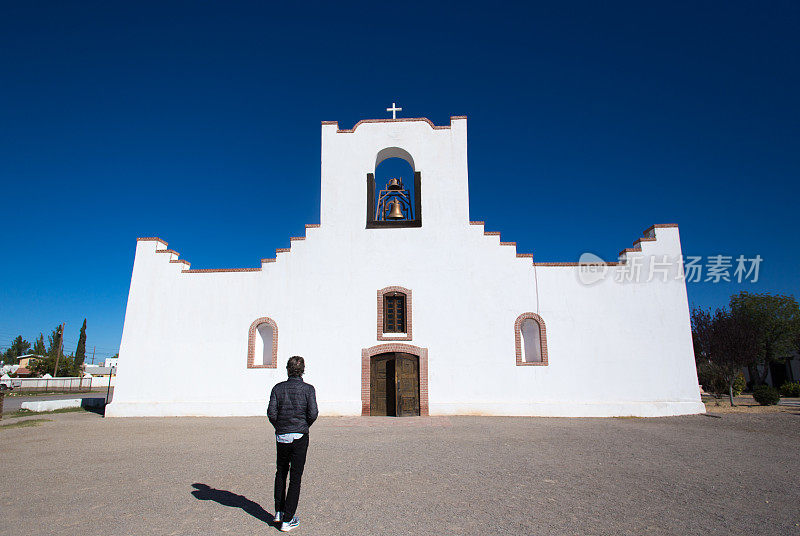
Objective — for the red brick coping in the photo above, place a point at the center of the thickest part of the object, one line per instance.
(390, 120)
(648, 236)
(187, 264)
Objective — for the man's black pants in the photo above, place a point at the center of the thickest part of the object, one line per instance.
(291, 461)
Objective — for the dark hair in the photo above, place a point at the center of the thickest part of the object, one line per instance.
(296, 366)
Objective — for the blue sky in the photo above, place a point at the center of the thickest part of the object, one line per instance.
(199, 122)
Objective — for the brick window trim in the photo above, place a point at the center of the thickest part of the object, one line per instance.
(518, 339)
(382, 336)
(366, 358)
(251, 343)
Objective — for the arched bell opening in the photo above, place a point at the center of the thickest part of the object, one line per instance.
(396, 153)
(393, 191)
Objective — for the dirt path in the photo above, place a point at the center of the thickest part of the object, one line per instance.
(82, 474)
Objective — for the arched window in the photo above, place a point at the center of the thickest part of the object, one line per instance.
(394, 191)
(530, 337)
(262, 344)
(394, 314)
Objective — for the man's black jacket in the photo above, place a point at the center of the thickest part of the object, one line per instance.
(292, 406)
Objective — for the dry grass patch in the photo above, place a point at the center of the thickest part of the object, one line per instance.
(28, 413)
(23, 424)
(744, 404)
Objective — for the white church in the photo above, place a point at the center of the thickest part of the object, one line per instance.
(401, 305)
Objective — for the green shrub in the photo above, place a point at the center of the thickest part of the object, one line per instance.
(790, 389)
(766, 395)
(739, 384)
(712, 382)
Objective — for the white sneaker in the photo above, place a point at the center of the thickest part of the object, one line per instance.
(286, 526)
(277, 518)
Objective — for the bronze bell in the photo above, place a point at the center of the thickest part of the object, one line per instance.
(394, 184)
(395, 212)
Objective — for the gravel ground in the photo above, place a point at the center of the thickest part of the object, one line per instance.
(82, 474)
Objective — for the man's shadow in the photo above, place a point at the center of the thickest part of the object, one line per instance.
(205, 492)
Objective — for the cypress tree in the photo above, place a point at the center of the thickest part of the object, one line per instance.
(38, 347)
(80, 352)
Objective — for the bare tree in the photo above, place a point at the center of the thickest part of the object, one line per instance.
(734, 344)
(724, 343)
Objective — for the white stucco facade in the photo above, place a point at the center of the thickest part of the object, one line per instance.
(613, 348)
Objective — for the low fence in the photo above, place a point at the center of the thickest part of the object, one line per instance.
(62, 384)
(100, 381)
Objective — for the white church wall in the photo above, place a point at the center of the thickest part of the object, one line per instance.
(614, 348)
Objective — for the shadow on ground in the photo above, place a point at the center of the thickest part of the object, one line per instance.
(100, 410)
(204, 492)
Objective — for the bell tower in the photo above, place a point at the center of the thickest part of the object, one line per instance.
(354, 197)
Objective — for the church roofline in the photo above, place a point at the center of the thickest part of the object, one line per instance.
(186, 264)
(650, 229)
(153, 238)
(647, 236)
(390, 120)
(216, 270)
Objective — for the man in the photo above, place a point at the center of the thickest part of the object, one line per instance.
(292, 410)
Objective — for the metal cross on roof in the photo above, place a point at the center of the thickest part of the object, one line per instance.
(394, 109)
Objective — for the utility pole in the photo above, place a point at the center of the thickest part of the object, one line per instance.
(93, 349)
(60, 348)
(108, 391)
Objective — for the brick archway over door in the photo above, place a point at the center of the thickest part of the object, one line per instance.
(366, 356)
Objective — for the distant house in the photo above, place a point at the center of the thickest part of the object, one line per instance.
(99, 372)
(779, 373)
(23, 372)
(28, 359)
(111, 362)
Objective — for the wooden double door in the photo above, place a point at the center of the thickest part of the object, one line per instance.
(394, 385)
